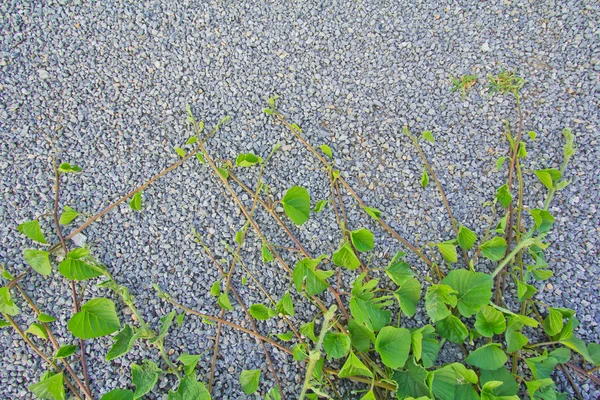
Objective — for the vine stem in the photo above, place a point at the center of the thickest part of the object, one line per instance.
(39, 352)
(437, 184)
(76, 308)
(315, 354)
(509, 211)
(143, 186)
(54, 342)
(258, 231)
(380, 221)
(168, 299)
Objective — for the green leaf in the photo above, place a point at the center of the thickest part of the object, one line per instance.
(541, 274)
(259, 311)
(466, 238)
(52, 388)
(361, 337)
(488, 357)
(308, 330)
(452, 329)
(123, 342)
(286, 337)
(448, 251)
(525, 291)
(38, 260)
(373, 212)
(411, 383)
(46, 318)
(38, 330)
(249, 380)
(424, 178)
(224, 173)
(509, 386)
(96, 318)
(65, 351)
(200, 157)
(594, 352)
(189, 362)
(543, 220)
(345, 257)
(542, 366)
(247, 160)
(436, 298)
(354, 367)
(285, 306)
(67, 216)
(398, 270)
(431, 348)
(548, 176)
(393, 345)
(362, 239)
(577, 345)
(78, 253)
(296, 204)
(532, 135)
(7, 304)
(273, 394)
(78, 270)
(118, 394)
(320, 205)
(136, 201)
(452, 382)
(316, 280)
(144, 377)
(563, 355)
(215, 289)
(326, 150)
(336, 345)
(499, 162)
(553, 323)
(189, 388)
(490, 321)
(408, 295)
(369, 396)
(515, 340)
(179, 151)
(534, 386)
(69, 168)
(224, 301)
(191, 140)
(503, 196)
(32, 230)
(494, 249)
(300, 352)
(427, 135)
(474, 289)
(365, 307)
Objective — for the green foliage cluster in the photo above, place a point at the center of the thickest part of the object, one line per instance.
(512, 344)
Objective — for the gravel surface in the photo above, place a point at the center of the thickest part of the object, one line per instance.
(105, 85)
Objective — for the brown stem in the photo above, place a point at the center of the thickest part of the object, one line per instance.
(37, 350)
(143, 186)
(509, 211)
(82, 357)
(571, 381)
(258, 231)
(439, 187)
(54, 342)
(380, 221)
(230, 324)
(272, 342)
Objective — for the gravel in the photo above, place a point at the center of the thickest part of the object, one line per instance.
(104, 85)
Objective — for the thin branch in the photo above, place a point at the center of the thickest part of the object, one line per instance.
(40, 353)
(76, 308)
(380, 221)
